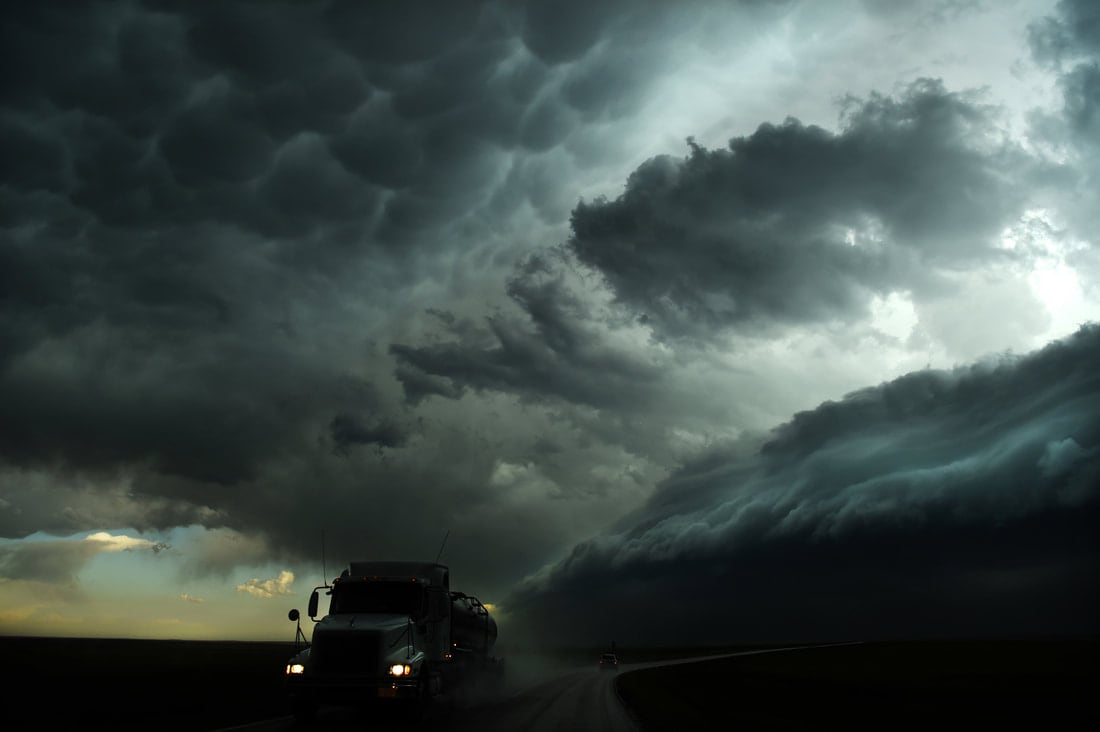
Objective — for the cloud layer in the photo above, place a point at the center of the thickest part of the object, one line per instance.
(383, 272)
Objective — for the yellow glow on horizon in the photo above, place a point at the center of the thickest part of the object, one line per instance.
(30, 609)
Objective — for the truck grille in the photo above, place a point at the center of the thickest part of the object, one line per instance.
(346, 653)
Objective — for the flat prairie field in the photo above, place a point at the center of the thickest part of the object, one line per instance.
(920, 685)
(93, 683)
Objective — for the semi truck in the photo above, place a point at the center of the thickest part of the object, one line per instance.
(395, 635)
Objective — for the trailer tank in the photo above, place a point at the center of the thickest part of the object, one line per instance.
(473, 629)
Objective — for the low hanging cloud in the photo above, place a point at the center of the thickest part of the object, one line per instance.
(940, 503)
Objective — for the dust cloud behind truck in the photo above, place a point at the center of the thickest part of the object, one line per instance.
(395, 634)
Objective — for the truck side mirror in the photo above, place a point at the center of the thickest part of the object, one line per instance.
(293, 614)
(313, 604)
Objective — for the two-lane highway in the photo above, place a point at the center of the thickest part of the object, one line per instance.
(535, 697)
(582, 699)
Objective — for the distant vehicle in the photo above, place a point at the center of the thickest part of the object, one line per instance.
(395, 635)
(609, 662)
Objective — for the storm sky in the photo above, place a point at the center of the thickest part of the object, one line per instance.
(659, 321)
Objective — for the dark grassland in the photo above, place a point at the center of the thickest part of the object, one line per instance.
(89, 683)
(64, 683)
(1033, 684)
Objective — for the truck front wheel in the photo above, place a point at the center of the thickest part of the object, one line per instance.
(304, 710)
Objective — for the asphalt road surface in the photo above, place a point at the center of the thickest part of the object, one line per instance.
(535, 696)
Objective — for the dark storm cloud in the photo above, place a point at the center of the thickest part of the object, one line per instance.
(940, 503)
(176, 215)
(211, 214)
(1081, 88)
(1069, 43)
(215, 218)
(1073, 31)
(797, 224)
(555, 351)
(137, 132)
(348, 430)
(558, 32)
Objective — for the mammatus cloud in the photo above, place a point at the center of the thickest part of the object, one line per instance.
(940, 503)
(208, 242)
(269, 588)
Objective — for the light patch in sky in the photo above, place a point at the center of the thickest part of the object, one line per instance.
(990, 312)
(1058, 286)
(121, 583)
(1053, 280)
(894, 315)
(122, 543)
(524, 483)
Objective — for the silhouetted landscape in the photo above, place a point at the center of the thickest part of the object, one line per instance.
(210, 685)
(1044, 684)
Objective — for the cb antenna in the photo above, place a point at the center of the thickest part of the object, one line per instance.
(437, 556)
(324, 572)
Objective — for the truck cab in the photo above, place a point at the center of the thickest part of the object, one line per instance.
(386, 638)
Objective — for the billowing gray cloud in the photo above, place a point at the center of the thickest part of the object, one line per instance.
(348, 430)
(1073, 31)
(941, 503)
(1069, 43)
(797, 224)
(554, 352)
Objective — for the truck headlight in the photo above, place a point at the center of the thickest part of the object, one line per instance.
(400, 669)
(295, 668)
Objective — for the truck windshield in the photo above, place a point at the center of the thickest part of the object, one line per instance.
(404, 598)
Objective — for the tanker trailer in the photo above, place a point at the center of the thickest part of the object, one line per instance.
(473, 637)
